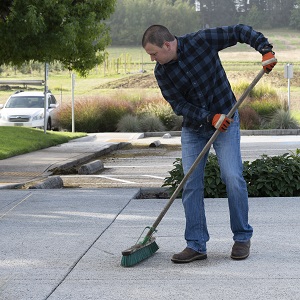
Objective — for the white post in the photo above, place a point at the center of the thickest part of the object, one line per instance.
(289, 93)
(288, 73)
(45, 98)
(73, 114)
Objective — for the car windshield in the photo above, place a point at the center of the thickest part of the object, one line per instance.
(26, 102)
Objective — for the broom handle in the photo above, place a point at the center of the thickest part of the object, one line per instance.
(200, 156)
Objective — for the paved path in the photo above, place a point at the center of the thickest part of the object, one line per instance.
(66, 244)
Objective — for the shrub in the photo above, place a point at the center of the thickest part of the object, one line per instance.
(260, 106)
(177, 123)
(86, 115)
(258, 92)
(277, 176)
(265, 107)
(143, 123)
(249, 118)
(93, 114)
(283, 120)
(160, 108)
(129, 123)
(263, 91)
(239, 88)
(176, 176)
(111, 111)
(149, 123)
(213, 186)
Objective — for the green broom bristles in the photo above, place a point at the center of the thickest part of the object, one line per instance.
(138, 252)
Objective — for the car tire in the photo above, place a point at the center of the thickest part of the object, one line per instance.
(49, 125)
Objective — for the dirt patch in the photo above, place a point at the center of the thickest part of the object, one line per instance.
(136, 81)
(141, 81)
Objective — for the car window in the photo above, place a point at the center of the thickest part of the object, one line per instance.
(25, 102)
(52, 100)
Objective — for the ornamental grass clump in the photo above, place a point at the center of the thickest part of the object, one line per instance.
(282, 119)
(93, 114)
(260, 106)
(160, 108)
(129, 123)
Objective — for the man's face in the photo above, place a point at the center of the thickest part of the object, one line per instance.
(162, 54)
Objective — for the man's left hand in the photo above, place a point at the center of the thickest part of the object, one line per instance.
(269, 61)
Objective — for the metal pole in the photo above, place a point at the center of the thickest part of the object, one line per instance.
(73, 114)
(45, 98)
(289, 87)
(288, 73)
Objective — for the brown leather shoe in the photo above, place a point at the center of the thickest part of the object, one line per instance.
(187, 255)
(240, 250)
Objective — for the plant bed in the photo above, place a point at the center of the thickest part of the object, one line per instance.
(277, 176)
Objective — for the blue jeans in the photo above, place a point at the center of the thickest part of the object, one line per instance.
(227, 147)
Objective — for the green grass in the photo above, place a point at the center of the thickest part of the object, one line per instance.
(20, 140)
(296, 115)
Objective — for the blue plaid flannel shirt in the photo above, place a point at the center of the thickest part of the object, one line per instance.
(196, 85)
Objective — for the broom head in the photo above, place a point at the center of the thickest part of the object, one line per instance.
(138, 253)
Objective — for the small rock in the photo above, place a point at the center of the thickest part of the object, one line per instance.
(91, 168)
(167, 136)
(155, 144)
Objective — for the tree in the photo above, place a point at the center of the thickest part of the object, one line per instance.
(295, 16)
(131, 18)
(73, 32)
(255, 17)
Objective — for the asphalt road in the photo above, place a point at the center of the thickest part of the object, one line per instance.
(144, 166)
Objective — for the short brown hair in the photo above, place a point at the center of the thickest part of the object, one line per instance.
(157, 35)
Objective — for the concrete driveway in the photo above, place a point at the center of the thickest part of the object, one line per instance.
(67, 244)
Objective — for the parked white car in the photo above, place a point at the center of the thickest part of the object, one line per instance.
(27, 109)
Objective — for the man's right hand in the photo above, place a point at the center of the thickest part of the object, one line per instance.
(221, 122)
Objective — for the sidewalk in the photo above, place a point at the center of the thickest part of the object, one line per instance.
(37, 165)
(67, 243)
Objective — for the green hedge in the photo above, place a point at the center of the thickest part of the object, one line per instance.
(277, 176)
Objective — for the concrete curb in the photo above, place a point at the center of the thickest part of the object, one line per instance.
(85, 158)
(91, 168)
(243, 132)
(271, 132)
(50, 183)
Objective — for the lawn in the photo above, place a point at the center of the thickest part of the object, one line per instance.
(29, 139)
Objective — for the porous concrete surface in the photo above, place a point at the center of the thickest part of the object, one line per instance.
(67, 244)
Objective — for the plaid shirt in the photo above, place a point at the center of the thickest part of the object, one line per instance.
(196, 85)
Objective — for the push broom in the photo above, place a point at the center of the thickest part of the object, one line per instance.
(148, 246)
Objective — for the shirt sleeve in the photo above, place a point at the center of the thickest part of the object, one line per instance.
(223, 37)
(180, 106)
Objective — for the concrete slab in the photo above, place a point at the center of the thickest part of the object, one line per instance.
(67, 244)
(43, 235)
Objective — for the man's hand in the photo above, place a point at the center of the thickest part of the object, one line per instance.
(221, 122)
(269, 61)
(268, 58)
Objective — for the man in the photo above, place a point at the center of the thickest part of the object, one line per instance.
(191, 78)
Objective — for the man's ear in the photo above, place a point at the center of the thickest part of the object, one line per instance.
(167, 45)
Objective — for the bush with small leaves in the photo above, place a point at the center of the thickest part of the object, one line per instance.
(277, 176)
